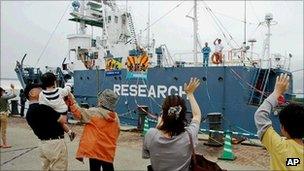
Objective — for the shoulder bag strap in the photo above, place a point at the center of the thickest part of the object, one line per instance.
(192, 146)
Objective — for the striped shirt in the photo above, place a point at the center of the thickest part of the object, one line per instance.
(54, 98)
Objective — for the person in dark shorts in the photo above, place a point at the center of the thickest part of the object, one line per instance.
(46, 124)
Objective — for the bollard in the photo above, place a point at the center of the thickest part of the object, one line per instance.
(141, 112)
(215, 123)
(14, 107)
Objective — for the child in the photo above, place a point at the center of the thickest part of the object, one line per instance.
(291, 118)
(54, 97)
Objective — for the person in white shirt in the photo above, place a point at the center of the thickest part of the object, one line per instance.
(53, 96)
(217, 56)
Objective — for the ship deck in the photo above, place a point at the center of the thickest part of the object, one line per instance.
(24, 156)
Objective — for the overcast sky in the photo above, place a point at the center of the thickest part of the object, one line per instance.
(27, 25)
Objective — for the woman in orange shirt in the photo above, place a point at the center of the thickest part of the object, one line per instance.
(101, 130)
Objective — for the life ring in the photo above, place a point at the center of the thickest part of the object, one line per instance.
(216, 58)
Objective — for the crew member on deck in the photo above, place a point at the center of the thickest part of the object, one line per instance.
(206, 53)
(217, 56)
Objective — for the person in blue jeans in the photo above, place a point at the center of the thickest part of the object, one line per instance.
(206, 52)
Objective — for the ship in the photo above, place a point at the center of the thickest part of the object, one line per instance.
(143, 75)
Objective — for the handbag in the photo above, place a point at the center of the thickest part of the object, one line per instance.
(200, 163)
(149, 168)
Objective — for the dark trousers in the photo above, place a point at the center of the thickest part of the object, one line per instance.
(22, 107)
(95, 165)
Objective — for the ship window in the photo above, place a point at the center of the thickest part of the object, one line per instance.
(116, 19)
(88, 78)
(123, 19)
(81, 78)
(204, 78)
(220, 79)
(109, 19)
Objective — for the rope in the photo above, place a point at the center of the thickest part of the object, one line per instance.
(215, 18)
(250, 4)
(233, 18)
(220, 30)
(160, 106)
(48, 41)
(17, 149)
(234, 72)
(148, 113)
(253, 33)
(27, 151)
(126, 113)
(297, 70)
(223, 132)
(163, 16)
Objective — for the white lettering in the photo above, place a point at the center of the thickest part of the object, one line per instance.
(133, 90)
(116, 89)
(151, 91)
(161, 90)
(142, 89)
(170, 90)
(297, 161)
(181, 91)
(290, 162)
(124, 89)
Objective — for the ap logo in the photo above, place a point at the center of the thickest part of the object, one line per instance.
(292, 161)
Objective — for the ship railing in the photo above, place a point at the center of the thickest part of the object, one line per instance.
(235, 57)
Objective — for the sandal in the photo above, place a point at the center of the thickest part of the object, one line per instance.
(6, 146)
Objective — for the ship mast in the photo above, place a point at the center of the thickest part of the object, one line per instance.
(82, 27)
(195, 28)
(148, 25)
(245, 22)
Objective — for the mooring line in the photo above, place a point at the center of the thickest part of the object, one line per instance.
(17, 149)
(18, 156)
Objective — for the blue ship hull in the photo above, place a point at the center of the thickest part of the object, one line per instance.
(225, 89)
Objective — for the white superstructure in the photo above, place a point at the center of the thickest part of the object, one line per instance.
(115, 33)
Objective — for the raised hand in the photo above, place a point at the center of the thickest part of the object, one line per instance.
(192, 85)
(282, 84)
(70, 100)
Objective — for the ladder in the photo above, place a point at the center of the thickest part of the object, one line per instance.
(256, 77)
(265, 81)
(132, 30)
(260, 83)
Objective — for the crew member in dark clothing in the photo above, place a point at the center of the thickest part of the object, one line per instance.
(22, 102)
(46, 124)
